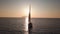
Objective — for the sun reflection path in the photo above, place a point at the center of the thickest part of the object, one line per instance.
(26, 23)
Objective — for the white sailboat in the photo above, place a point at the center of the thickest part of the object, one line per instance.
(29, 19)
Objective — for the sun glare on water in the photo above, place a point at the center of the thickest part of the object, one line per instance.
(26, 19)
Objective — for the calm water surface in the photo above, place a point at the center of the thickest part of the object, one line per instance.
(40, 26)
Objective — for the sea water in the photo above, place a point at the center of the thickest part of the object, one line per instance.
(40, 26)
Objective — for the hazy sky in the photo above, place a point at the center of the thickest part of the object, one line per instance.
(40, 8)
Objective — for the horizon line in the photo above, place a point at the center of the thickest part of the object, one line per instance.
(25, 17)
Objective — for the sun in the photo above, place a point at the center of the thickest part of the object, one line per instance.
(26, 11)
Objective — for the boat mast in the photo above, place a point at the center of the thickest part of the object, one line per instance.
(29, 13)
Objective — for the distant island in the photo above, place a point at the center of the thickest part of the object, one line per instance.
(14, 17)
